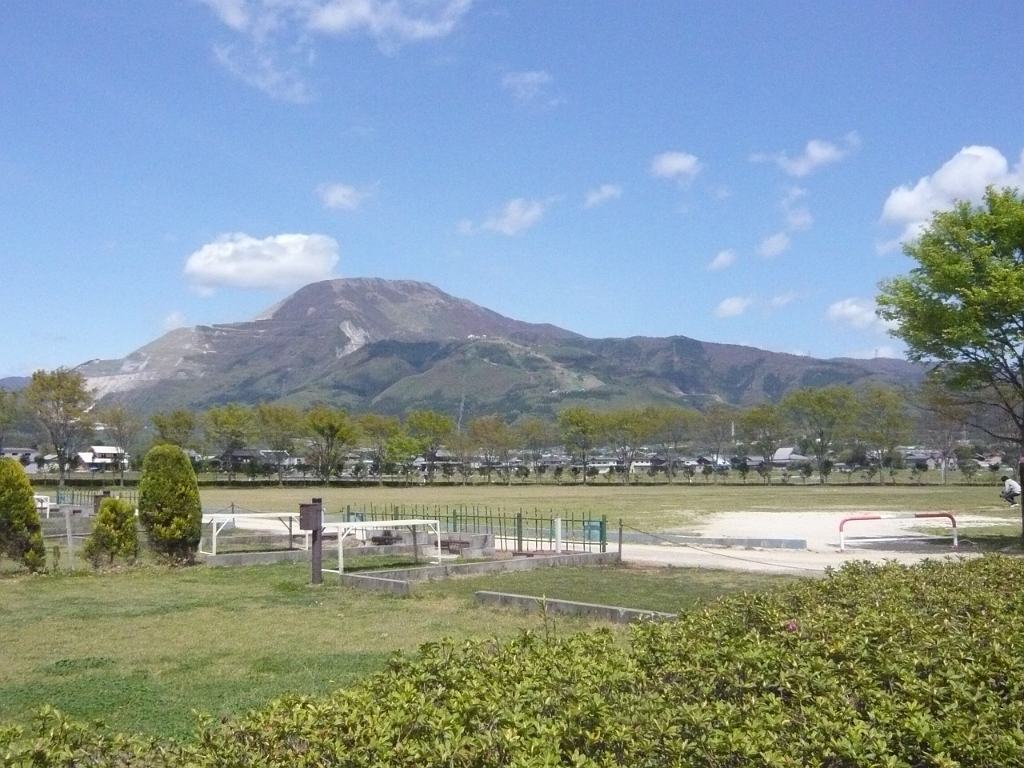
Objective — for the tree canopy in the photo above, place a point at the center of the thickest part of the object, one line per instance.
(60, 403)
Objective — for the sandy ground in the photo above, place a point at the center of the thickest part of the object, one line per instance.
(875, 540)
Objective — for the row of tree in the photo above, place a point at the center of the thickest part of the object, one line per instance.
(868, 423)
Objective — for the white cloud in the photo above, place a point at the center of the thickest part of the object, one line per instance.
(773, 245)
(733, 306)
(516, 216)
(671, 165)
(527, 87)
(274, 30)
(173, 321)
(722, 260)
(816, 154)
(601, 195)
(236, 259)
(961, 178)
(341, 197)
(783, 300)
(858, 314)
(799, 218)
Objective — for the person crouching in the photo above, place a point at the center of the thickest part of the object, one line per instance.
(1011, 489)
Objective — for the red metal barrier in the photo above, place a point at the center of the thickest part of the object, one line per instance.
(845, 520)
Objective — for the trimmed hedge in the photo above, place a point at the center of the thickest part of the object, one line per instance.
(21, 535)
(871, 666)
(169, 507)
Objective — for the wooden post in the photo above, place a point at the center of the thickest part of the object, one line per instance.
(311, 518)
(71, 540)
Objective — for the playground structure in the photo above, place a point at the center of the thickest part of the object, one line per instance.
(860, 518)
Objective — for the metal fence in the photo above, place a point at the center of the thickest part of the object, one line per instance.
(519, 530)
(84, 498)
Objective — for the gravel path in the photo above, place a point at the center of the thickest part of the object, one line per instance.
(875, 540)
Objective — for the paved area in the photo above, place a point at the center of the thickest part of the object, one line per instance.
(876, 540)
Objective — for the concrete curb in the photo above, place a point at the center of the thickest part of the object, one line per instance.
(432, 572)
(714, 541)
(613, 613)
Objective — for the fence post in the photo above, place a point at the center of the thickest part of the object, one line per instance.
(558, 535)
(620, 539)
(604, 533)
(71, 541)
(519, 532)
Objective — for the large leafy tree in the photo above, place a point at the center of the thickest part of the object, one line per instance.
(331, 432)
(378, 433)
(582, 430)
(10, 410)
(432, 429)
(123, 428)
(60, 403)
(229, 428)
(961, 310)
(822, 417)
(279, 425)
(764, 426)
(676, 427)
(174, 428)
(169, 507)
(627, 430)
(20, 534)
(882, 420)
(495, 439)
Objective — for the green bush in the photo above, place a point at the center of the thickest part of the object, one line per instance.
(169, 506)
(21, 537)
(114, 533)
(871, 666)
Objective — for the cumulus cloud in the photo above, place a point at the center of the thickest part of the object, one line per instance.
(722, 260)
(816, 153)
(601, 195)
(341, 197)
(274, 40)
(528, 87)
(517, 215)
(173, 321)
(783, 300)
(733, 306)
(773, 245)
(236, 259)
(858, 314)
(962, 177)
(675, 165)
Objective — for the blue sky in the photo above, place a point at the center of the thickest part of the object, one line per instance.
(730, 171)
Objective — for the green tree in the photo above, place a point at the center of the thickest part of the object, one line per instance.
(331, 433)
(882, 421)
(21, 536)
(60, 403)
(169, 508)
(113, 533)
(582, 430)
(279, 426)
(229, 428)
(495, 440)
(676, 427)
(717, 428)
(823, 417)
(627, 430)
(174, 428)
(961, 310)
(10, 411)
(377, 431)
(400, 452)
(535, 436)
(432, 429)
(123, 428)
(764, 427)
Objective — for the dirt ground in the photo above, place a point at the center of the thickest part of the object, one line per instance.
(898, 538)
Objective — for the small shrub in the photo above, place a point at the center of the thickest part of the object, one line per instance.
(114, 534)
(21, 537)
(169, 506)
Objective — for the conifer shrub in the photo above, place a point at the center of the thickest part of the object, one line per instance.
(114, 534)
(21, 536)
(169, 508)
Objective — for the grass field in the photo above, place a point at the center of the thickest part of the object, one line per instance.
(141, 649)
(657, 508)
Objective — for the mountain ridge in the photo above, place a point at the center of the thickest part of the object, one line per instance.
(392, 345)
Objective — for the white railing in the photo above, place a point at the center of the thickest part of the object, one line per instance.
(857, 518)
(253, 521)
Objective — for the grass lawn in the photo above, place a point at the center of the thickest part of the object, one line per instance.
(654, 507)
(142, 648)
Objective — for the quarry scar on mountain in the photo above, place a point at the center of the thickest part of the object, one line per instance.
(393, 345)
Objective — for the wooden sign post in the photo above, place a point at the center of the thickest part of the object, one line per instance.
(311, 518)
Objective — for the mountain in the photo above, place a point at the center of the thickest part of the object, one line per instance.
(392, 345)
(14, 383)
